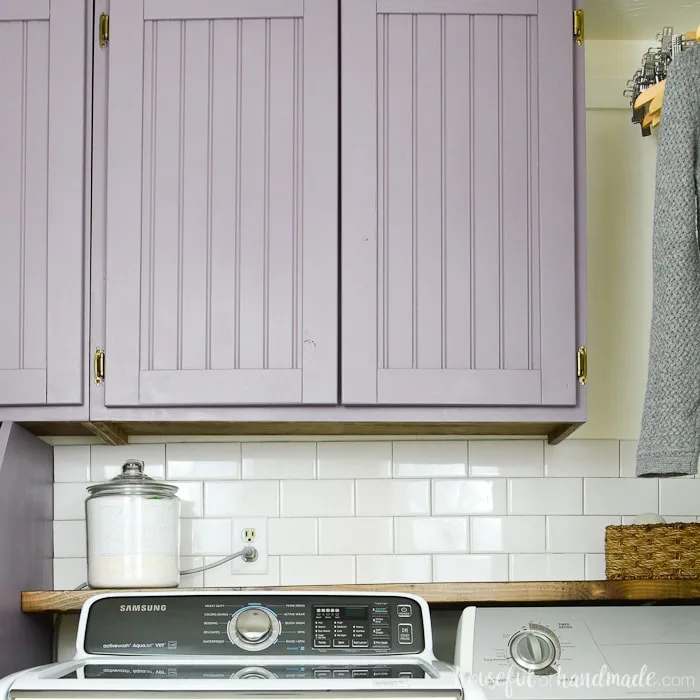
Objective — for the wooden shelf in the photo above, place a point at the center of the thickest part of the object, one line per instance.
(455, 594)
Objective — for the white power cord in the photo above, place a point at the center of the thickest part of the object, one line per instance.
(248, 554)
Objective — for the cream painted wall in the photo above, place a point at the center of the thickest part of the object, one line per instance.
(620, 207)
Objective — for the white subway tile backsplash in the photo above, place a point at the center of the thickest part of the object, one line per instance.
(546, 567)
(430, 458)
(354, 460)
(293, 535)
(191, 580)
(333, 498)
(679, 496)
(431, 535)
(237, 498)
(69, 501)
(470, 567)
(322, 570)
(191, 495)
(106, 461)
(200, 536)
(223, 576)
(69, 539)
(578, 533)
(392, 497)
(203, 461)
(514, 533)
(583, 458)
(71, 463)
(355, 536)
(611, 496)
(279, 460)
(469, 496)
(514, 458)
(545, 496)
(394, 569)
(69, 573)
(595, 567)
(628, 458)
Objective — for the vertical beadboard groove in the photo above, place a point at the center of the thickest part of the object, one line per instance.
(472, 208)
(237, 197)
(381, 233)
(210, 179)
(296, 350)
(266, 204)
(386, 23)
(414, 189)
(533, 140)
(23, 200)
(443, 190)
(299, 178)
(181, 193)
(528, 167)
(152, 189)
(501, 290)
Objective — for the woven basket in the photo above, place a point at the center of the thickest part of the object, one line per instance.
(663, 551)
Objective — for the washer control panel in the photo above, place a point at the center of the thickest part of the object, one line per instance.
(273, 625)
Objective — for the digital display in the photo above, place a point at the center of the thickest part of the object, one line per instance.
(355, 612)
(345, 612)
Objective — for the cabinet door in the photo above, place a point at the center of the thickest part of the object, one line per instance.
(42, 55)
(222, 203)
(458, 202)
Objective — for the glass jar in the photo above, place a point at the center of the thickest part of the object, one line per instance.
(133, 531)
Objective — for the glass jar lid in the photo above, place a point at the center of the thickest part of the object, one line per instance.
(133, 481)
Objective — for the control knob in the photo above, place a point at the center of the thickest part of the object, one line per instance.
(253, 628)
(534, 649)
(253, 673)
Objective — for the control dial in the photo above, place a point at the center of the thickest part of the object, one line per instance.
(253, 673)
(253, 628)
(534, 648)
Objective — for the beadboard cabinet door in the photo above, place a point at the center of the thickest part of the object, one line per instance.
(42, 104)
(458, 229)
(222, 222)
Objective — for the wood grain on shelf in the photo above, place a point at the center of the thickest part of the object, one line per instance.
(442, 593)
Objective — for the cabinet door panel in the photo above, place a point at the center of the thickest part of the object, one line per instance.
(42, 51)
(222, 193)
(458, 203)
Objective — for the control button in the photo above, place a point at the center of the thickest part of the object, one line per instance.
(360, 673)
(380, 631)
(381, 644)
(405, 633)
(380, 609)
(405, 674)
(380, 619)
(321, 642)
(360, 643)
(404, 611)
(341, 643)
(322, 673)
(341, 673)
(381, 673)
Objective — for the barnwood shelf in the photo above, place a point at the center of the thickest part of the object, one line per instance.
(454, 594)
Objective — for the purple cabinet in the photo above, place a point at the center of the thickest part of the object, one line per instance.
(222, 207)
(458, 203)
(42, 91)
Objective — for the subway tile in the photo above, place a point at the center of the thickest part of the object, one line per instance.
(578, 533)
(240, 498)
(583, 458)
(470, 567)
(678, 496)
(430, 458)
(469, 496)
(392, 497)
(546, 567)
(355, 536)
(609, 496)
(512, 533)
(191, 498)
(279, 460)
(431, 535)
(200, 536)
(293, 535)
(69, 501)
(203, 461)
(191, 580)
(69, 573)
(71, 463)
(106, 460)
(394, 569)
(595, 567)
(354, 460)
(322, 570)
(223, 576)
(332, 498)
(69, 539)
(544, 496)
(628, 458)
(680, 518)
(513, 458)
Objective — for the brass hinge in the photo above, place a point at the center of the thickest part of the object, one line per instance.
(582, 365)
(104, 30)
(98, 366)
(578, 26)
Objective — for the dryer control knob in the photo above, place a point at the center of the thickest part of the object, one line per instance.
(534, 649)
(253, 628)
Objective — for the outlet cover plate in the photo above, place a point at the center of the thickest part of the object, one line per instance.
(259, 566)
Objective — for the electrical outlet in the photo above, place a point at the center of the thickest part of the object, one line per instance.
(250, 531)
